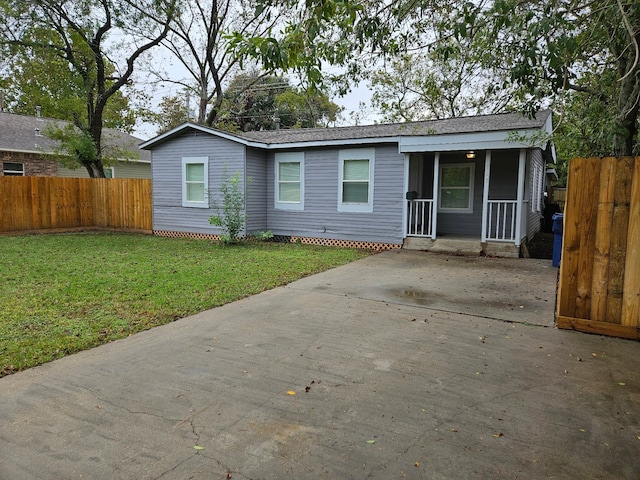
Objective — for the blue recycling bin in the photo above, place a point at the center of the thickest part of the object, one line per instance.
(557, 220)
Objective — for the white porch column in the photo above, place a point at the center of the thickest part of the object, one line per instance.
(405, 210)
(521, 170)
(436, 200)
(485, 195)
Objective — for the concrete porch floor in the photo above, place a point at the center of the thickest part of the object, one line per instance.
(462, 245)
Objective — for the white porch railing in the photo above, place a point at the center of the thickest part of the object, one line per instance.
(420, 218)
(501, 220)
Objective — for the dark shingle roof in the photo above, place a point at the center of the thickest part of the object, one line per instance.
(483, 123)
(18, 133)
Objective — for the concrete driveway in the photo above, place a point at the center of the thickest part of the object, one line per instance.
(401, 365)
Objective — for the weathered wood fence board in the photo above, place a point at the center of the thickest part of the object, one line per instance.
(599, 288)
(51, 203)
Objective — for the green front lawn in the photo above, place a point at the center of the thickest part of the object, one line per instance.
(69, 292)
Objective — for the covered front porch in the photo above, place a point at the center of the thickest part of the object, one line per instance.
(468, 202)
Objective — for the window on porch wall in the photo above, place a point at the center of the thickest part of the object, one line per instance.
(537, 185)
(456, 188)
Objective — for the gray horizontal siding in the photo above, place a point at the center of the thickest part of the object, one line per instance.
(168, 212)
(321, 219)
(256, 190)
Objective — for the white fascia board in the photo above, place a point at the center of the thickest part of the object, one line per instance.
(466, 141)
(548, 128)
(200, 128)
(132, 160)
(548, 125)
(22, 150)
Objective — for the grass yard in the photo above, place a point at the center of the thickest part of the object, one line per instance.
(69, 292)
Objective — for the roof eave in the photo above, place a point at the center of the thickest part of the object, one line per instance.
(406, 143)
(24, 150)
(149, 144)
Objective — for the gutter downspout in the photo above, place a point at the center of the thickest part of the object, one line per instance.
(405, 209)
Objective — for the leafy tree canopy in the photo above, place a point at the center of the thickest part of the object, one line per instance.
(40, 77)
(256, 107)
(199, 42)
(172, 112)
(82, 36)
(538, 49)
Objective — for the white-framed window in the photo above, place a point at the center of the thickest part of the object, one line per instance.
(289, 178)
(355, 190)
(537, 186)
(195, 182)
(13, 169)
(456, 188)
(109, 172)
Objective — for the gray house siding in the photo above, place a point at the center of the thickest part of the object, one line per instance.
(320, 213)
(168, 212)
(535, 215)
(321, 219)
(256, 190)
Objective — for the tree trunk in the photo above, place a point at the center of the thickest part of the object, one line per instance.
(628, 111)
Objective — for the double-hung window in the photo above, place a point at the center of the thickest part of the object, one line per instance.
(355, 190)
(289, 186)
(195, 182)
(537, 186)
(456, 188)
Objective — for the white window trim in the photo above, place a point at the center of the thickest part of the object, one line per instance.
(356, 154)
(110, 169)
(288, 157)
(13, 173)
(195, 160)
(469, 209)
(537, 179)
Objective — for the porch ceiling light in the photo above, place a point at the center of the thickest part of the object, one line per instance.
(471, 154)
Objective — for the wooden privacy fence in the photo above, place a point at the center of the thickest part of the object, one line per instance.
(599, 285)
(51, 203)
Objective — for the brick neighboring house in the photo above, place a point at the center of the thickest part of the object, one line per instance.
(24, 148)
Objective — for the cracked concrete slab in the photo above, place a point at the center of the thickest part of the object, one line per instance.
(401, 365)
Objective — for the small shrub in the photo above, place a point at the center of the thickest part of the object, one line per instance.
(263, 236)
(231, 216)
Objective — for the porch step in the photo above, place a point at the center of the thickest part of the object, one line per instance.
(462, 246)
(455, 246)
